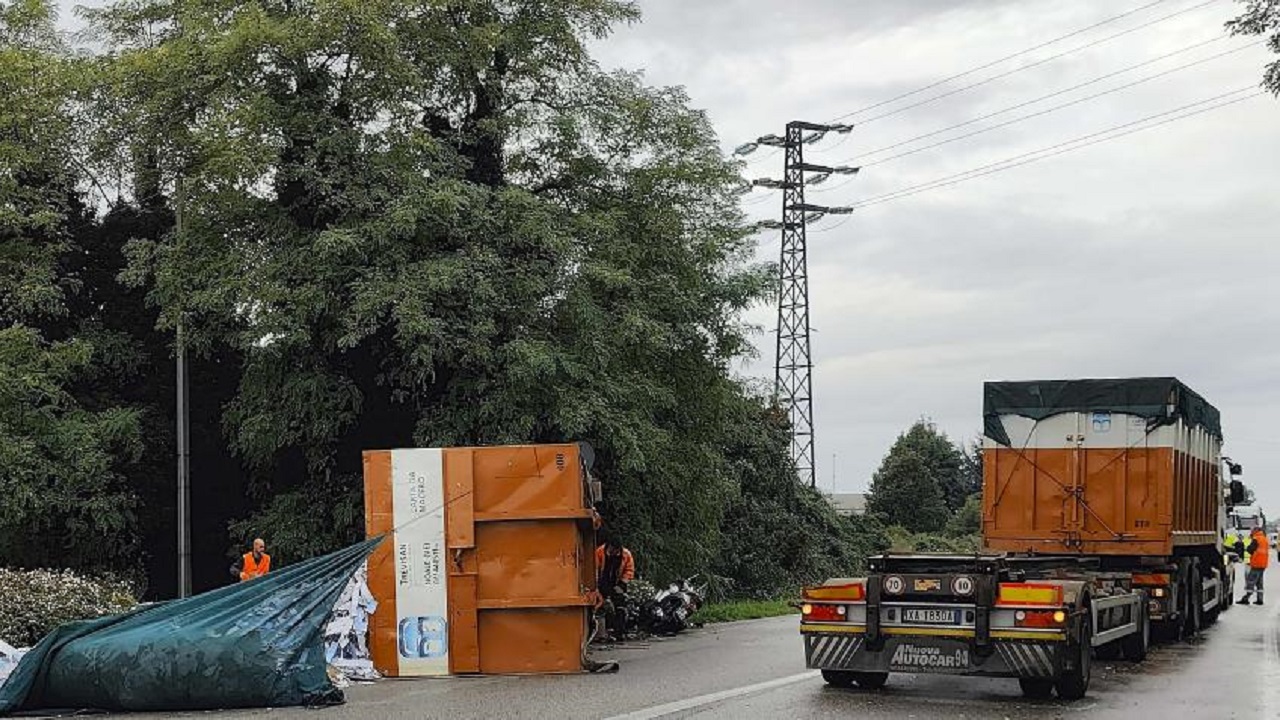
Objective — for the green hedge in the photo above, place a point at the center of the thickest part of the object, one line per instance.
(34, 602)
(903, 540)
(743, 610)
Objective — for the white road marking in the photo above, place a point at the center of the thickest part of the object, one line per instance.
(671, 708)
(1271, 665)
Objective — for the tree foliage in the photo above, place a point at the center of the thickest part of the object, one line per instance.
(956, 475)
(1262, 17)
(777, 533)
(968, 521)
(905, 492)
(402, 224)
(66, 448)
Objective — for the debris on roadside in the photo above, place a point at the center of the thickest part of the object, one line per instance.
(255, 644)
(9, 657)
(346, 635)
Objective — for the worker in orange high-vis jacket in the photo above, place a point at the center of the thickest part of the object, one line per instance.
(615, 567)
(1259, 556)
(615, 564)
(254, 564)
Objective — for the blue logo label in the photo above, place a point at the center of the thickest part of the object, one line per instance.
(1101, 422)
(423, 637)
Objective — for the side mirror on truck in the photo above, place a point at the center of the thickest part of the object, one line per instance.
(1237, 492)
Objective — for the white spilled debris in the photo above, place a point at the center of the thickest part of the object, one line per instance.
(9, 657)
(346, 636)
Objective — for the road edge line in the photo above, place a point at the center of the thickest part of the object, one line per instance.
(658, 711)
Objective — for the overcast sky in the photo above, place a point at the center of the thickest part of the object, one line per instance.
(1151, 254)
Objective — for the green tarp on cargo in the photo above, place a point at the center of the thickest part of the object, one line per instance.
(1161, 400)
(253, 644)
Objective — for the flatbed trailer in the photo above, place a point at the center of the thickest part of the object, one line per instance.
(1037, 619)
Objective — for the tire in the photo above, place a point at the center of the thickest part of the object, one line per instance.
(847, 678)
(838, 678)
(871, 680)
(1036, 688)
(1134, 647)
(1195, 613)
(1168, 630)
(1074, 684)
(1110, 651)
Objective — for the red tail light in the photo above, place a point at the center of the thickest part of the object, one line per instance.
(821, 612)
(1040, 618)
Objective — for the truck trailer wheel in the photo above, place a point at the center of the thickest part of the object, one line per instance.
(1195, 613)
(838, 678)
(1074, 683)
(1135, 646)
(1036, 688)
(847, 678)
(1110, 651)
(871, 680)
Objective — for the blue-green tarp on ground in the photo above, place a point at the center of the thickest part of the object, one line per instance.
(253, 644)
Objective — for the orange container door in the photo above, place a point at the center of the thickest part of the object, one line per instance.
(522, 574)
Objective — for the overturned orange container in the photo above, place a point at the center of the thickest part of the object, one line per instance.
(491, 565)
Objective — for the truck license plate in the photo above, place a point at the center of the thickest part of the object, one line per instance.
(930, 616)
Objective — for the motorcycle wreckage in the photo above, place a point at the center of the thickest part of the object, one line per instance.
(643, 611)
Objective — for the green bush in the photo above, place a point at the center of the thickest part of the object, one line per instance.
(738, 610)
(778, 534)
(968, 520)
(904, 541)
(34, 602)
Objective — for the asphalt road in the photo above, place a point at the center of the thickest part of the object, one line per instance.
(756, 670)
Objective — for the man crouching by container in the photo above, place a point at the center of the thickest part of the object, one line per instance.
(616, 567)
(1259, 556)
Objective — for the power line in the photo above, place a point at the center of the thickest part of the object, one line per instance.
(1058, 149)
(768, 156)
(993, 63)
(833, 225)
(1067, 146)
(1041, 113)
(1054, 94)
(763, 198)
(1037, 63)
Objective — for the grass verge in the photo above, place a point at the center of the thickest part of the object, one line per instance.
(742, 610)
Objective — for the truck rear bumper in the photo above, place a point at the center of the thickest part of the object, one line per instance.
(847, 649)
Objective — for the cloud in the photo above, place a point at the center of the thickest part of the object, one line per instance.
(1151, 254)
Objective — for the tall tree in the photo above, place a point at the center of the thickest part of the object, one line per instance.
(440, 225)
(65, 497)
(1262, 17)
(778, 533)
(947, 464)
(905, 492)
